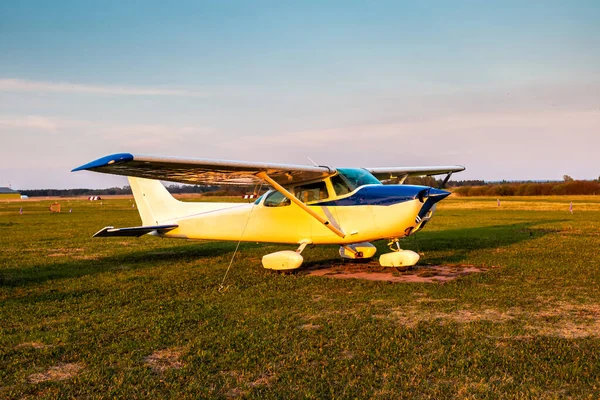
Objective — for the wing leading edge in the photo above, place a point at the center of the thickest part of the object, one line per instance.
(202, 171)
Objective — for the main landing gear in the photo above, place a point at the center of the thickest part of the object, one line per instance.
(288, 260)
(285, 260)
(397, 258)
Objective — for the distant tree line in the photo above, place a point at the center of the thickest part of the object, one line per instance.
(472, 182)
(75, 192)
(567, 187)
(174, 188)
(433, 182)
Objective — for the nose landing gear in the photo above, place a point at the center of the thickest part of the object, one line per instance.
(358, 251)
(398, 257)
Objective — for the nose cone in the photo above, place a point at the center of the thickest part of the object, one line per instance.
(431, 197)
(438, 194)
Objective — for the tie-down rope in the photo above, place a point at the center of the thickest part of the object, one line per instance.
(221, 287)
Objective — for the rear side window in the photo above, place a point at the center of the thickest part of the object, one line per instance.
(311, 192)
(276, 199)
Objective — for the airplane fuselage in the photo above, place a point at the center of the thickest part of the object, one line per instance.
(369, 213)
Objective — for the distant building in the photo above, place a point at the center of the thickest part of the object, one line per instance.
(9, 194)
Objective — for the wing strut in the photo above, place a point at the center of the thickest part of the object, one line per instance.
(300, 204)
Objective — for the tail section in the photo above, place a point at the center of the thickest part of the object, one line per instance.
(155, 204)
(157, 207)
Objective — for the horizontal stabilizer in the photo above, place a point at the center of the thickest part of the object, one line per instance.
(134, 231)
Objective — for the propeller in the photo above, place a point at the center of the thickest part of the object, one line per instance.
(429, 197)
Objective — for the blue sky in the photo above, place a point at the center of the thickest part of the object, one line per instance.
(511, 90)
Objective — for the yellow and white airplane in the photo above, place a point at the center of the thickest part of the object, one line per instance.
(306, 205)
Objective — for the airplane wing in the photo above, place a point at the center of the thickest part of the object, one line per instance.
(201, 171)
(401, 173)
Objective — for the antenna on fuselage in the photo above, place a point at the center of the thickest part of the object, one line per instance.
(312, 161)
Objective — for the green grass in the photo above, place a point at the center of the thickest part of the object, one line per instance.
(529, 327)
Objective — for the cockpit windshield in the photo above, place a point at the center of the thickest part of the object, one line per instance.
(348, 179)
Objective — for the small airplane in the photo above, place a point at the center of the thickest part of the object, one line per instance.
(305, 205)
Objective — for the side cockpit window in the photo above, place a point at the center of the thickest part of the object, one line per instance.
(305, 193)
(340, 185)
(349, 179)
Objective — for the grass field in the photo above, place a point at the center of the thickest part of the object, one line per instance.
(143, 318)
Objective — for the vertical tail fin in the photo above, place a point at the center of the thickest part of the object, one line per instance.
(155, 204)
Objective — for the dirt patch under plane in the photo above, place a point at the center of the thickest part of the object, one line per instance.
(372, 271)
(163, 360)
(33, 345)
(57, 373)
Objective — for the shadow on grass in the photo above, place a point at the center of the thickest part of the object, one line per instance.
(74, 268)
(463, 241)
(460, 242)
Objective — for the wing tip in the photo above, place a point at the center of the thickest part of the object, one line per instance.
(117, 158)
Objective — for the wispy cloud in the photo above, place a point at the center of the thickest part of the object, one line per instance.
(35, 122)
(146, 137)
(447, 139)
(22, 85)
